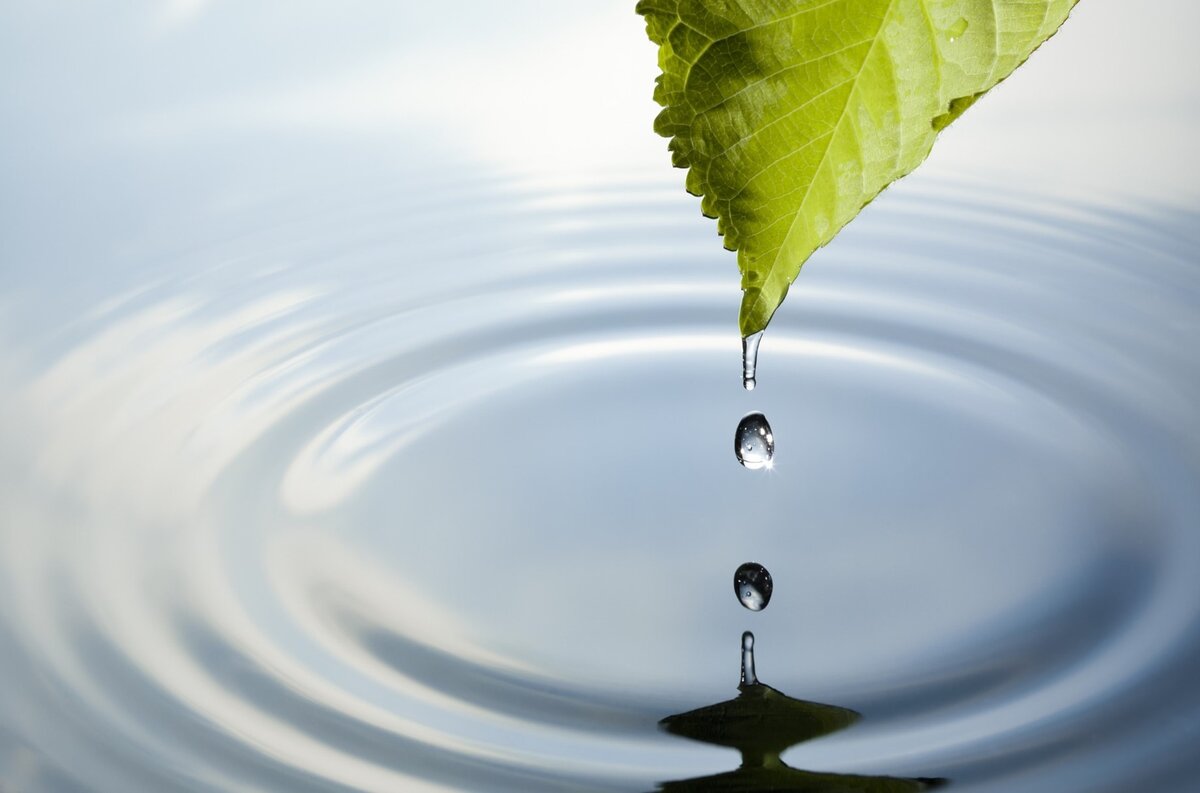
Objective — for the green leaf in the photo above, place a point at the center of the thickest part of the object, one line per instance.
(792, 115)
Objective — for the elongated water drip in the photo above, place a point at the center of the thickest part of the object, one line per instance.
(748, 676)
(750, 359)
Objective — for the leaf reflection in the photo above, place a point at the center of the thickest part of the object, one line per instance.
(762, 723)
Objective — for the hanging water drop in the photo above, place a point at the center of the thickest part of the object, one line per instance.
(748, 676)
(752, 584)
(958, 28)
(754, 443)
(750, 359)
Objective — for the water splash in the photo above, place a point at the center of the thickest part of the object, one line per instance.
(762, 723)
(749, 678)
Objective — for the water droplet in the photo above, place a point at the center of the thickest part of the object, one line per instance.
(754, 443)
(958, 28)
(750, 359)
(748, 676)
(752, 584)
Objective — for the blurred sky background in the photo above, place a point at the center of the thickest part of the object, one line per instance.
(206, 106)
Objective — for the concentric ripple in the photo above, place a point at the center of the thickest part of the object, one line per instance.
(438, 495)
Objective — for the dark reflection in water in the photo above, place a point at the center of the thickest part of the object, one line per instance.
(762, 723)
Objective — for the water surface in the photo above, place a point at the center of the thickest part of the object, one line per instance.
(309, 519)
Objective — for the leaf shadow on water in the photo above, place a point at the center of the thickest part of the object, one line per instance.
(762, 723)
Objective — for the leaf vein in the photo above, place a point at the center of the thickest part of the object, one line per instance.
(771, 268)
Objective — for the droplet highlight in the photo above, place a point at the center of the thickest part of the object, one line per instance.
(748, 676)
(750, 359)
(752, 584)
(754, 443)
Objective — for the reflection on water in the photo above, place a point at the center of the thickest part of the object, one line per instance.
(762, 724)
(426, 489)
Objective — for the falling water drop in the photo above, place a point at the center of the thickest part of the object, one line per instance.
(752, 584)
(754, 443)
(750, 359)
